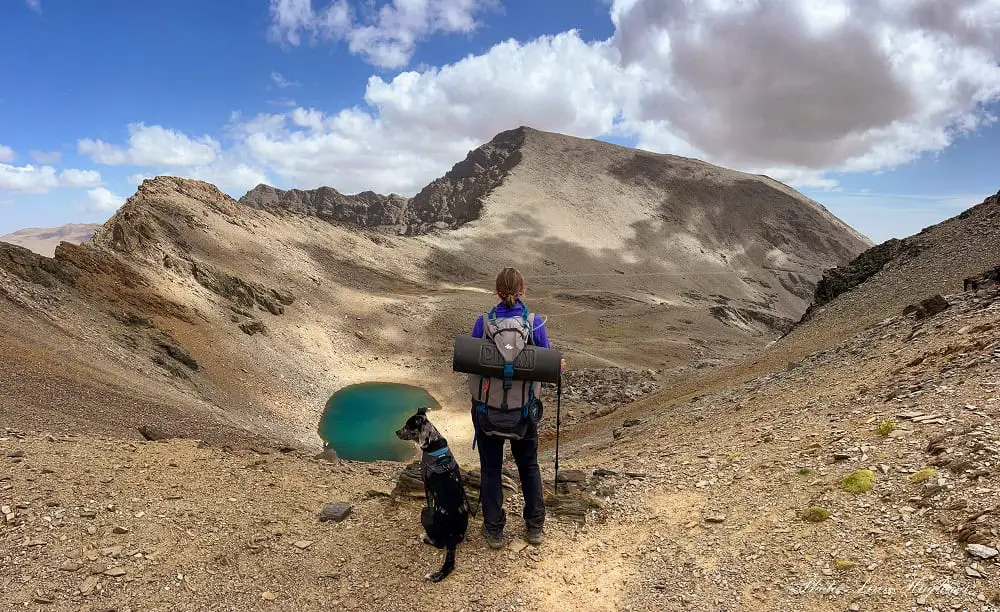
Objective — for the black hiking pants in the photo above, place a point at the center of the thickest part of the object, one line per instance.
(525, 453)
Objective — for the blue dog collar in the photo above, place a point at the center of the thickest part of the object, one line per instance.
(441, 452)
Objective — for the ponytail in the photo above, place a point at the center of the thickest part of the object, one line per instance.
(510, 286)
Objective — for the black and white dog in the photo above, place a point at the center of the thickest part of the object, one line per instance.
(445, 518)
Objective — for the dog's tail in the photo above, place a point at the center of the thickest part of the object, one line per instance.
(449, 565)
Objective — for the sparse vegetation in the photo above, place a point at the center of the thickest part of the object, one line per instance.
(861, 481)
(925, 474)
(886, 427)
(843, 565)
(815, 514)
(804, 471)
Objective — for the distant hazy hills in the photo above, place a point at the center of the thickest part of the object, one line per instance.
(44, 240)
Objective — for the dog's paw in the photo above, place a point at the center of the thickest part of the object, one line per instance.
(435, 577)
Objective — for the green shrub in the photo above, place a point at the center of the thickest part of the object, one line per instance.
(886, 427)
(925, 474)
(861, 481)
(815, 514)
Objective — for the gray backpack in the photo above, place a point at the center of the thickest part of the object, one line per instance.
(503, 407)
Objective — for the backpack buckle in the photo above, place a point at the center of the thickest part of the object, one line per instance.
(508, 375)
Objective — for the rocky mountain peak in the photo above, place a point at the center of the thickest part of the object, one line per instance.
(458, 196)
(446, 203)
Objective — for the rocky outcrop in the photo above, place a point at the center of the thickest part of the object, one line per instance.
(608, 387)
(34, 268)
(177, 354)
(242, 293)
(154, 433)
(159, 217)
(366, 209)
(839, 280)
(986, 280)
(748, 317)
(448, 202)
(965, 242)
(927, 308)
(457, 197)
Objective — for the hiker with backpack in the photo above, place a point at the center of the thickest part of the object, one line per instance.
(506, 409)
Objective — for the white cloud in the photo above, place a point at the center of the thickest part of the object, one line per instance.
(35, 5)
(421, 123)
(386, 37)
(794, 89)
(79, 178)
(291, 19)
(851, 85)
(232, 177)
(46, 157)
(6, 154)
(138, 178)
(153, 146)
(164, 151)
(281, 81)
(799, 178)
(43, 179)
(100, 199)
(28, 179)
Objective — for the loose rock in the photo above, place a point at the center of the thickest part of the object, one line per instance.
(336, 512)
(982, 552)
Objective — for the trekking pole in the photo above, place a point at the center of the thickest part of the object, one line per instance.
(558, 422)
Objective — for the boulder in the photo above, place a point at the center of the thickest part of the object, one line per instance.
(253, 326)
(982, 552)
(927, 308)
(574, 476)
(154, 433)
(328, 454)
(336, 512)
(572, 504)
(178, 354)
(986, 280)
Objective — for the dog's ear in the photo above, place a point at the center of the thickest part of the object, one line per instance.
(422, 411)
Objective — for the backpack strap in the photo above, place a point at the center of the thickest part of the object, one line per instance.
(489, 323)
(489, 331)
(529, 324)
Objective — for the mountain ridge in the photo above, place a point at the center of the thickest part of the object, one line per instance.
(444, 203)
(697, 263)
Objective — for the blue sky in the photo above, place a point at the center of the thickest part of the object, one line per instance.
(299, 94)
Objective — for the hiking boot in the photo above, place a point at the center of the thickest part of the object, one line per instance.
(494, 541)
(533, 536)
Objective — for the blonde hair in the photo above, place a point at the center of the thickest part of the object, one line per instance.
(510, 286)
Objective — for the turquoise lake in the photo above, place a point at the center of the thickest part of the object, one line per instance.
(360, 421)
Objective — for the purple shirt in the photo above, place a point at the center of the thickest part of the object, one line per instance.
(539, 336)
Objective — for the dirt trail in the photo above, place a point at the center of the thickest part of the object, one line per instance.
(700, 505)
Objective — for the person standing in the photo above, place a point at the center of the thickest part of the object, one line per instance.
(509, 410)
